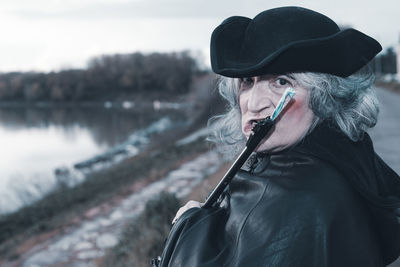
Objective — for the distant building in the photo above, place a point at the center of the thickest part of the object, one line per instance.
(398, 58)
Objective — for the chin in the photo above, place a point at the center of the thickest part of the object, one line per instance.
(266, 147)
(269, 146)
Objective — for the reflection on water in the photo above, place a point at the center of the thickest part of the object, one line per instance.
(35, 141)
(107, 126)
(35, 149)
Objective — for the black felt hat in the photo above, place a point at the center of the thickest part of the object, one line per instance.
(288, 39)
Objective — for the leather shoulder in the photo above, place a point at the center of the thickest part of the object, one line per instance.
(304, 206)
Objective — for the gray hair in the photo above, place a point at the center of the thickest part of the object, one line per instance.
(349, 102)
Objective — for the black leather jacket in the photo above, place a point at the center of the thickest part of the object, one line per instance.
(327, 201)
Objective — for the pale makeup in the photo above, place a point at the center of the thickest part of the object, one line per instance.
(258, 97)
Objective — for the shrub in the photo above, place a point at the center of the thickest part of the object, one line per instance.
(143, 238)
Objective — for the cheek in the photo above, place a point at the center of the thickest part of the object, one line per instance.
(297, 109)
(242, 102)
(242, 110)
(297, 118)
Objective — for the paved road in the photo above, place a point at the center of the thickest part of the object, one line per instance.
(386, 134)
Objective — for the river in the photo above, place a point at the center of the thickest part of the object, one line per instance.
(45, 146)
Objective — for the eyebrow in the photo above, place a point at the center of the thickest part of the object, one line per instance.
(276, 75)
(290, 76)
(282, 74)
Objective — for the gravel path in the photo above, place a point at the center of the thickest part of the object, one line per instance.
(80, 245)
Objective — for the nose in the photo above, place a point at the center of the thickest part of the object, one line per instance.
(259, 98)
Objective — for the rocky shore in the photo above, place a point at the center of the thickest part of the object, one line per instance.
(87, 240)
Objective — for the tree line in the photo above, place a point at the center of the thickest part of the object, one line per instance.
(106, 77)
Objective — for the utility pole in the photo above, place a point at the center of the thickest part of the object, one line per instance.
(378, 66)
(398, 59)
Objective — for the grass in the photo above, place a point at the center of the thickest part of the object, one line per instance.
(143, 238)
(65, 203)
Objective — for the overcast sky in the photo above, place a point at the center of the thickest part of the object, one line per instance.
(46, 35)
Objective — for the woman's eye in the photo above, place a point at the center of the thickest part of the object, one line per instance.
(282, 82)
(246, 81)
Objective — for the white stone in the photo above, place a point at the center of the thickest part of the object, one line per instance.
(91, 254)
(64, 243)
(83, 245)
(106, 241)
(105, 222)
(89, 226)
(116, 215)
(46, 258)
(89, 235)
(128, 104)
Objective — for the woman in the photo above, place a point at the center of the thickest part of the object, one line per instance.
(314, 193)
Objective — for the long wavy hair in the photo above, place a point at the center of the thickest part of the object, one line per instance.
(350, 102)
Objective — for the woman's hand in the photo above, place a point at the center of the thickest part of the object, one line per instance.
(189, 205)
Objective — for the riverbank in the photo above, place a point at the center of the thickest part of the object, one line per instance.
(69, 206)
(66, 206)
(86, 235)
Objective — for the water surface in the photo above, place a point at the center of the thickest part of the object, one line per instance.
(36, 142)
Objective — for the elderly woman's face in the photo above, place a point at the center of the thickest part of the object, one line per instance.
(258, 97)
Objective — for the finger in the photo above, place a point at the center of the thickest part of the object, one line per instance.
(193, 204)
(190, 204)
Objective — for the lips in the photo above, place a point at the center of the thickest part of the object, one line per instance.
(250, 123)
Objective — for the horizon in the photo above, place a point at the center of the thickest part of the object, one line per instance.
(53, 35)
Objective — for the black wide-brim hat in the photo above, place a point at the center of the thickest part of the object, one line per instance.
(288, 39)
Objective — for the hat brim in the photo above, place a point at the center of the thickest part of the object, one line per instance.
(340, 54)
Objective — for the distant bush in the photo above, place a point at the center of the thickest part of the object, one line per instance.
(107, 77)
(144, 237)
